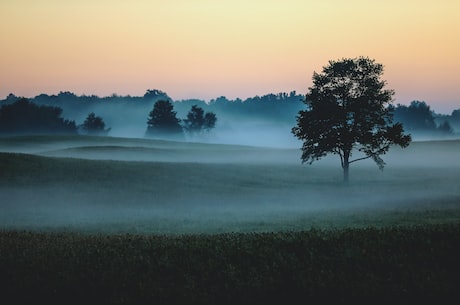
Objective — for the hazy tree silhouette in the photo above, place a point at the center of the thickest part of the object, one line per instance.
(455, 119)
(162, 121)
(416, 117)
(198, 121)
(210, 120)
(94, 125)
(346, 113)
(456, 114)
(11, 98)
(156, 94)
(25, 117)
(445, 128)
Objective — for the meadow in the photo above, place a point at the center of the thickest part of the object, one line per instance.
(134, 220)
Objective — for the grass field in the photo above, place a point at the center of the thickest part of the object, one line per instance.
(114, 220)
(404, 265)
(215, 188)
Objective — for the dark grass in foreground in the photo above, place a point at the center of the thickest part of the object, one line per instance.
(390, 265)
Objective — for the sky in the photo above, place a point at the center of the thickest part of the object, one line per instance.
(234, 48)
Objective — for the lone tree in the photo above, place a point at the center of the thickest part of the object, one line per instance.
(198, 121)
(347, 112)
(162, 121)
(94, 125)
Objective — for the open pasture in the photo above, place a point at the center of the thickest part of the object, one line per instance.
(93, 184)
(132, 221)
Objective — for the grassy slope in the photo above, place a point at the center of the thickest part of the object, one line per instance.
(410, 258)
(126, 149)
(219, 192)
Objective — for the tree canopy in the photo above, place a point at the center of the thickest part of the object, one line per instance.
(163, 122)
(94, 125)
(198, 121)
(274, 110)
(416, 117)
(419, 119)
(347, 113)
(25, 117)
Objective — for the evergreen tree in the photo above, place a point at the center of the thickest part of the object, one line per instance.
(162, 121)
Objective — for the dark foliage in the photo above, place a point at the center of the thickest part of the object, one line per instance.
(25, 117)
(456, 115)
(419, 119)
(156, 94)
(198, 121)
(162, 121)
(347, 110)
(94, 125)
(11, 98)
(396, 265)
(279, 109)
(416, 116)
(453, 119)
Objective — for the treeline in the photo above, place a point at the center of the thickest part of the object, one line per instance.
(129, 115)
(278, 106)
(163, 122)
(25, 117)
(419, 119)
(59, 114)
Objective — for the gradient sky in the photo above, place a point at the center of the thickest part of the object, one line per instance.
(236, 48)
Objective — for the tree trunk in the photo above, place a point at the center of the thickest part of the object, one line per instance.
(346, 167)
(346, 171)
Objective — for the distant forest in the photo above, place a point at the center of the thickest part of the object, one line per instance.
(127, 115)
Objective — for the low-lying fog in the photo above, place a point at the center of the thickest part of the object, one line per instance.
(253, 130)
(193, 187)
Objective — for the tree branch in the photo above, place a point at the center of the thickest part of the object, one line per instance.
(340, 154)
(359, 159)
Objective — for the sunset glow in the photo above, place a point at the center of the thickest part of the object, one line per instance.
(238, 48)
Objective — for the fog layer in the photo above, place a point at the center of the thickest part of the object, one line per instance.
(109, 184)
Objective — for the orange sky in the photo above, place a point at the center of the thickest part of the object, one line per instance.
(236, 48)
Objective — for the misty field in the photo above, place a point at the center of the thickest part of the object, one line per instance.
(114, 220)
(92, 184)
